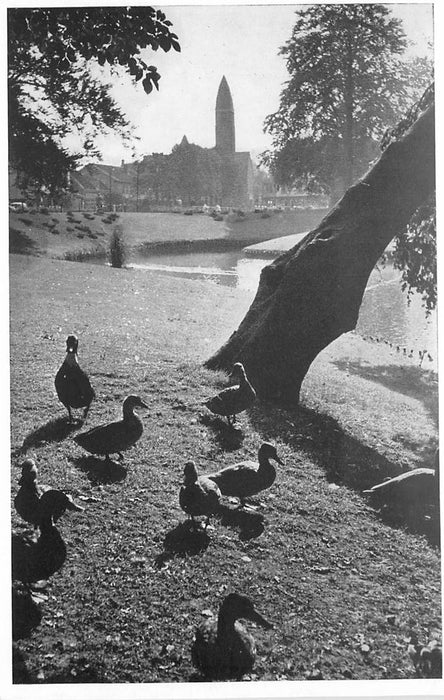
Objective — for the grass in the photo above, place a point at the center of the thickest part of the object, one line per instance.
(147, 230)
(342, 586)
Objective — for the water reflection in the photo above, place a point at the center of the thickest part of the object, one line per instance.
(384, 313)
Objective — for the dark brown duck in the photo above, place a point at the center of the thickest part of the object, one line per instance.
(115, 438)
(71, 382)
(222, 647)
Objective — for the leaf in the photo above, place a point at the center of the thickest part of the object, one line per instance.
(146, 82)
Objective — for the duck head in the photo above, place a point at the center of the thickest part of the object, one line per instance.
(238, 372)
(268, 451)
(132, 402)
(29, 472)
(54, 503)
(237, 606)
(189, 474)
(72, 343)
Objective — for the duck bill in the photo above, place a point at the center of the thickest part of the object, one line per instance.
(73, 506)
(279, 461)
(257, 617)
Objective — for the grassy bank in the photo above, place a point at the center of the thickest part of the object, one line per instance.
(342, 586)
(77, 235)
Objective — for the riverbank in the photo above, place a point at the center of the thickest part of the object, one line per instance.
(342, 585)
(78, 235)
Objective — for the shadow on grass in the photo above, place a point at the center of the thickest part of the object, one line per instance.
(249, 524)
(80, 670)
(19, 242)
(54, 430)
(183, 540)
(344, 459)
(414, 382)
(229, 438)
(99, 471)
(26, 614)
(37, 560)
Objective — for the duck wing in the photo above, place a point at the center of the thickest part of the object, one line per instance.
(200, 498)
(73, 387)
(239, 479)
(222, 404)
(110, 438)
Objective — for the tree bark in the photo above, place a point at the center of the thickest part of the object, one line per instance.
(311, 294)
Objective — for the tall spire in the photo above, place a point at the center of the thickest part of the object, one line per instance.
(225, 138)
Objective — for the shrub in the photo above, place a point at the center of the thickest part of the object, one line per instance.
(69, 213)
(44, 210)
(92, 235)
(70, 229)
(84, 228)
(55, 232)
(80, 235)
(117, 248)
(27, 222)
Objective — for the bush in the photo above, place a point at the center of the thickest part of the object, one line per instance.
(80, 235)
(117, 249)
(82, 227)
(44, 210)
(69, 229)
(92, 235)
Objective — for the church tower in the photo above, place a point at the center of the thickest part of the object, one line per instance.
(225, 141)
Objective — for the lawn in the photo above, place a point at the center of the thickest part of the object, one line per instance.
(79, 234)
(341, 585)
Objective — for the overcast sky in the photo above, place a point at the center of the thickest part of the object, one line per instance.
(241, 42)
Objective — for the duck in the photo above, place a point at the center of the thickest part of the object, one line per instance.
(38, 504)
(233, 399)
(416, 487)
(38, 559)
(72, 383)
(27, 499)
(115, 438)
(248, 478)
(222, 647)
(198, 494)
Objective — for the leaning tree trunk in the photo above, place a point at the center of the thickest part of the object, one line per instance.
(311, 294)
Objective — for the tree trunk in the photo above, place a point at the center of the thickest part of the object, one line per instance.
(311, 294)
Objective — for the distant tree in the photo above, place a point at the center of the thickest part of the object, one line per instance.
(195, 172)
(346, 86)
(415, 248)
(155, 177)
(54, 81)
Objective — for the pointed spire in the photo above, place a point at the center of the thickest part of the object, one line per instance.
(225, 134)
(184, 141)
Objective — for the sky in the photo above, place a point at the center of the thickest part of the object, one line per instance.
(239, 41)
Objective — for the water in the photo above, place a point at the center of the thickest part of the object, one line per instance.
(384, 315)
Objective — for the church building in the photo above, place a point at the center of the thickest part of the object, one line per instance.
(126, 184)
(237, 188)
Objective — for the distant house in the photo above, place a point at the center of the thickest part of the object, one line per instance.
(95, 184)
